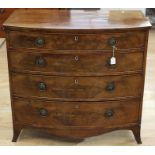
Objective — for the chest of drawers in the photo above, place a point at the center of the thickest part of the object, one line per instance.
(61, 77)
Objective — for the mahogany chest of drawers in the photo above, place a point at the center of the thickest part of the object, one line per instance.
(62, 77)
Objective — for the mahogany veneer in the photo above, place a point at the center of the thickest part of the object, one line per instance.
(4, 14)
(61, 78)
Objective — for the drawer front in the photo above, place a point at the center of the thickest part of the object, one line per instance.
(80, 114)
(76, 88)
(97, 63)
(76, 41)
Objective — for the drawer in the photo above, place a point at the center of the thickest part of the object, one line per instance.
(65, 41)
(80, 114)
(76, 88)
(79, 63)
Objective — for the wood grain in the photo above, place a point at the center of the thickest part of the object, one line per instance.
(4, 14)
(83, 89)
(34, 137)
(74, 63)
(69, 115)
(66, 41)
(86, 88)
(73, 19)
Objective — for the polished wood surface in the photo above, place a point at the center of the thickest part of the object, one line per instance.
(85, 115)
(70, 89)
(76, 63)
(4, 14)
(76, 19)
(122, 137)
(77, 88)
(76, 41)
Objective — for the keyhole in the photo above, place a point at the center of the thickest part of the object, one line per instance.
(76, 38)
(76, 58)
(76, 81)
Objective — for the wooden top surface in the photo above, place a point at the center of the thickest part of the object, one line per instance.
(76, 19)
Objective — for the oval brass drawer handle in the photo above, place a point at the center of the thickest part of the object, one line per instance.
(40, 61)
(41, 86)
(110, 87)
(40, 41)
(112, 41)
(43, 112)
(109, 113)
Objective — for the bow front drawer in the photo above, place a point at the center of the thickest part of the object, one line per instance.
(31, 40)
(76, 114)
(90, 63)
(76, 88)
